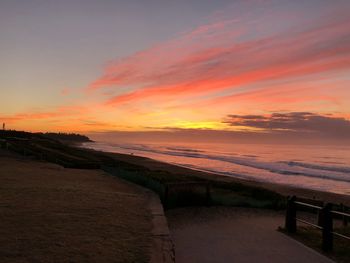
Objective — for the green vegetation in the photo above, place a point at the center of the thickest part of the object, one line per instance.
(192, 190)
(221, 193)
(42, 147)
(67, 137)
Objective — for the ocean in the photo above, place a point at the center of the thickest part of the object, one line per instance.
(325, 168)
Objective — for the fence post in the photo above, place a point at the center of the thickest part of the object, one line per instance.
(327, 227)
(291, 213)
(165, 196)
(207, 194)
(319, 216)
(345, 218)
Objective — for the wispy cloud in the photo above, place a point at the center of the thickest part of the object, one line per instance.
(229, 54)
(255, 58)
(55, 116)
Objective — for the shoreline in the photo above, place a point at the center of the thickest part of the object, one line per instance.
(76, 156)
(68, 193)
(284, 190)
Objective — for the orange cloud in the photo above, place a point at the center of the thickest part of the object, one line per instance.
(179, 69)
(57, 115)
(253, 61)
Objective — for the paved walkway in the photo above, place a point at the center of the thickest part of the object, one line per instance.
(239, 235)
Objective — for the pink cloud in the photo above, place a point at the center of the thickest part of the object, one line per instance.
(219, 56)
(268, 60)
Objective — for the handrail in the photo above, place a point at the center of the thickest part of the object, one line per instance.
(340, 235)
(308, 205)
(340, 213)
(170, 185)
(308, 223)
(325, 221)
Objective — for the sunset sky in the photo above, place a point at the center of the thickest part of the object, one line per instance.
(197, 65)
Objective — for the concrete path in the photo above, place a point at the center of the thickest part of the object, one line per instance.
(162, 250)
(203, 235)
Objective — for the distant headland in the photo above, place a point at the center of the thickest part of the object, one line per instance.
(60, 136)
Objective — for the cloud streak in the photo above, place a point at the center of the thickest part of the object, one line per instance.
(300, 122)
(255, 58)
(225, 55)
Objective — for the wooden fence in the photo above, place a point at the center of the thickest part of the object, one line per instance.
(187, 187)
(326, 216)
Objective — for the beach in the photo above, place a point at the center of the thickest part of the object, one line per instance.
(191, 131)
(323, 168)
(55, 213)
(281, 189)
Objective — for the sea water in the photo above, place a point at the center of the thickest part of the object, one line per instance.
(325, 168)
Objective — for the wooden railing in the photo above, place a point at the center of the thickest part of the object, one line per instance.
(178, 187)
(324, 223)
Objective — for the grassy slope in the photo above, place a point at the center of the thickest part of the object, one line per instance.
(134, 169)
(50, 214)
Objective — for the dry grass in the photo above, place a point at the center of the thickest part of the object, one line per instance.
(51, 214)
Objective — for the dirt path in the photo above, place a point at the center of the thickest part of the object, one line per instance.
(51, 214)
(239, 235)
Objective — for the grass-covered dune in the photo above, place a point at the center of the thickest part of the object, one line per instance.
(51, 147)
(176, 186)
(163, 181)
(60, 136)
(51, 214)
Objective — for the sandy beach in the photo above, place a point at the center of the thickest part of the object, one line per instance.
(51, 213)
(192, 131)
(281, 189)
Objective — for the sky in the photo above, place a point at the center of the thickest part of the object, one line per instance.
(193, 68)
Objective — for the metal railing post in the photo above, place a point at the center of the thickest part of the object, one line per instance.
(291, 213)
(327, 227)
